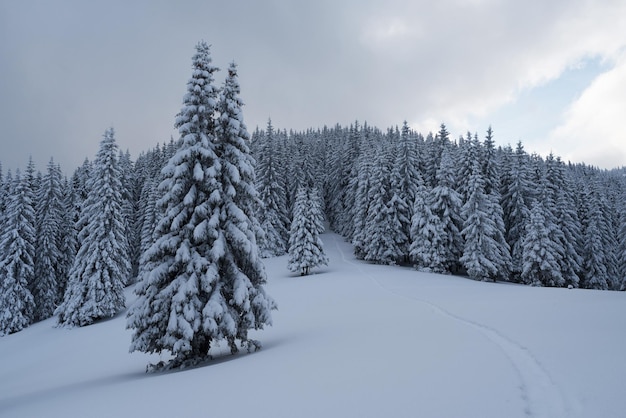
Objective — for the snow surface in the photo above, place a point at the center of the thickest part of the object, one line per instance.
(351, 340)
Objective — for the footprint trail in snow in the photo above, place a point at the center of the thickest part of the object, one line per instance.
(542, 397)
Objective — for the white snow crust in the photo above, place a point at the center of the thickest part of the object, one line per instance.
(350, 340)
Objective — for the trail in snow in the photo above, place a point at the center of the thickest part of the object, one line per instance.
(542, 397)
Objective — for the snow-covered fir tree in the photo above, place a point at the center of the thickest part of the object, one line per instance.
(490, 163)
(68, 244)
(101, 267)
(445, 203)
(345, 151)
(200, 282)
(242, 273)
(596, 254)
(405, 179)
(17, 306)
(306, 250)
(435, 147)
(540, 252)
(150, 214)
(516, 198)
(483, 257)
(273, 212)
(427, 250)
(48, 254)
(382, 225)
(130, 212)
(466, 155)
(561, 205)
(362, 185)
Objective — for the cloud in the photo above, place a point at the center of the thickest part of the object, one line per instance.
(592, 129)
(71, 69)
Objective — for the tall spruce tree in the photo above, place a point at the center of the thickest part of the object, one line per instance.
(445, 203)
(363, 190)
(596, 254)
(68, 245)
(427, 250)
(180, 305)
(483, 257)
(101, 267)
(273, 212)
(561, 203)
(241, 270)
(200, 282)
(17, 306)
(516, 199)
(130, 212)
(49, 213)
(382, 223)
(306, 250)
(406, 178)
(541, 252)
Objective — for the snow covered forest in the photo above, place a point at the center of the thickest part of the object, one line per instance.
(459, 206)
(439, 204)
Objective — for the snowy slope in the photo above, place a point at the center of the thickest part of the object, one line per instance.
(353, 340)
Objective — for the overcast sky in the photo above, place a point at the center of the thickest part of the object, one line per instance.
(549, 73)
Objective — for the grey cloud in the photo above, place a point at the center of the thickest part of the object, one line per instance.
(74, 68)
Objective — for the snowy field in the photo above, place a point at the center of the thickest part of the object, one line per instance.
(352, 340)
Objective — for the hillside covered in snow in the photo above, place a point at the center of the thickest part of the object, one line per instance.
(351, 340)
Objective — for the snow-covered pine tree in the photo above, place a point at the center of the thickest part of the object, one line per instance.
(540, 253)
(68, 244)
(445, 203)
(405, 179)
(563, 208)
(80, 178)
(101, 267)
(306, 250)
(490, 164)
(362, 186)
(427, 250)
(345, 150)
(48, 255)
(200, 282)
(382, 225)
(150, 215)
(130, 211)
(595, 252)
(516, 198)
(241, 270)
(180, 306)
(179, 303)
(503, 258)
(481, 254)
(16, 263)
(467, 153)
(435, 147)
(273, 212)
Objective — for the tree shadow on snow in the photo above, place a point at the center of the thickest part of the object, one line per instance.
(67, 390)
